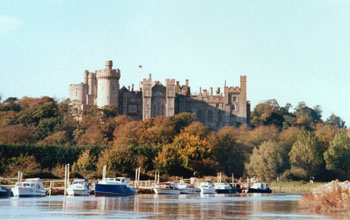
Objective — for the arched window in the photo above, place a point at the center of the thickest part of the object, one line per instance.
(233, 107)
(210, 116)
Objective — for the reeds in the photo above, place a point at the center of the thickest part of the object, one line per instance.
(331, 197)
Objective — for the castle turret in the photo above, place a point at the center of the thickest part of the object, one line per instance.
(78, 92)
(86, 76)
(146, 86)
(170, 97)
(242, 101)
(108, 85)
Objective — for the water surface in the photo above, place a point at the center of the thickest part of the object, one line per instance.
(239, 206)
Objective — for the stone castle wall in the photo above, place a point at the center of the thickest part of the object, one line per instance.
(227, 108)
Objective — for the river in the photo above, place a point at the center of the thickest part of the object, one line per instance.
(147, 206)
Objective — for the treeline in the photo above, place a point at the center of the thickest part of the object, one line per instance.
(279, 142)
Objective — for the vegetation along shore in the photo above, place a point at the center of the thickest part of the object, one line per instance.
(39, 135)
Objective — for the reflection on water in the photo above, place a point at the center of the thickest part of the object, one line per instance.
(238, 206)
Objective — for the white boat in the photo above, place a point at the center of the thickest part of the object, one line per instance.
(80, 187)
(188, 189)
(166, 188)
(207, 188)
(29, 188)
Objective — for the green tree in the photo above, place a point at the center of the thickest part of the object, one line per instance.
(336, 121)
(86, 162)
(266, 161)
(337, 156)
(307, 153)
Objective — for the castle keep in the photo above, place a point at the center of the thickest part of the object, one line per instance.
(214, 109)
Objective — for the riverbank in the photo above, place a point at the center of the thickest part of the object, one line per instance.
(294, 186)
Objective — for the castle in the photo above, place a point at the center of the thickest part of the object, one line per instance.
(215, 110)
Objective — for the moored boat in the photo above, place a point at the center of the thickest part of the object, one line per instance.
(224, 188)
(207, 188)
(259, 188)
(188, 189)
(119, 186)
(4, 192)
(80, 187)
(166, 188)
(29, 188)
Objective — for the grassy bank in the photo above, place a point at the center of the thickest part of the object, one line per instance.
(294, 186)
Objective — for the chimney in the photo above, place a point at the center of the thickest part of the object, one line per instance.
(186, 82)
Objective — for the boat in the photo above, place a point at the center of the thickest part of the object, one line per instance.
(207, 188)
(259, 188)
(4, 192)
(29, 188)
(188, 189)
(79, 187)
(119, 186)
(224, 188)
(166, 188)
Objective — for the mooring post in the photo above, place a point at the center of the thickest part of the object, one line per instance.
(65, 180)
(104, 172)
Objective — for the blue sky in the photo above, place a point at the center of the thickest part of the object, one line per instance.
(290, 50)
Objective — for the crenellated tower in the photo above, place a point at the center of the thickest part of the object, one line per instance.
(108, 85)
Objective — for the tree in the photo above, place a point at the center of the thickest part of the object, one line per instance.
(307, 116)
(306, 153)
(86, 162)
(181, 120)
(183, 155)
(336, 121)
(16, 134)
(227, 152)
(262, 133)
(325, 134)
(266, 161)
(110, 111)
(337, 156)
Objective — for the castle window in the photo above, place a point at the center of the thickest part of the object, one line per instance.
(233, 107)
(220, 116)
(210, 116)
(200, 116)
(234, 98)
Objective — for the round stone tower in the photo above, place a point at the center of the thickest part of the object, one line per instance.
(108, 85)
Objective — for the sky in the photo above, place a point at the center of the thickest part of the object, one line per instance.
(290, 50)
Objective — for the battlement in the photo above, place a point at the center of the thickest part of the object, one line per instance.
(215, 106)
(147, 81)
(170, 82)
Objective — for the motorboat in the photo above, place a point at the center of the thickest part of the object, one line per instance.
(29, 188)
(188, 189)
(207, 188)
(166, 188)
(259, 188)
(4, 192)
(224, 188)
(119, 186)
(79, 187)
